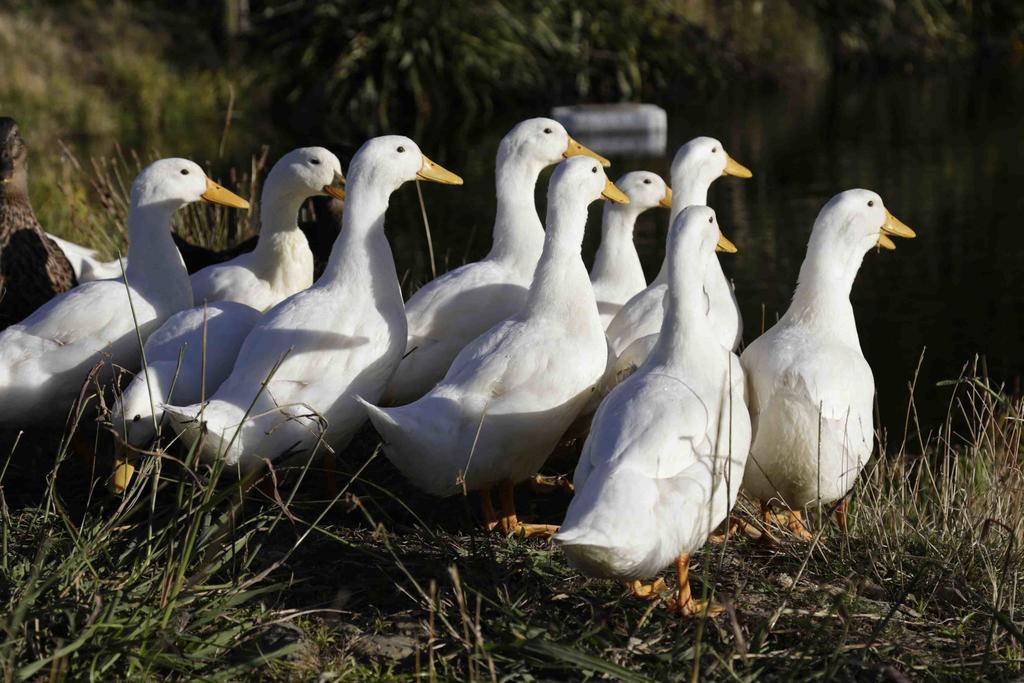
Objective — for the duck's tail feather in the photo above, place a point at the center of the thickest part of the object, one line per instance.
(411, 441)
(610, 529)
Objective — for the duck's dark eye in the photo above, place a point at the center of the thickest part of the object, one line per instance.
(547, 131)
(647, 181)
(711, 220)
(136, 418)
(401, 149)
(315, 162)
(714, 150)
(594, 169)
(184, 171)
(871, 202)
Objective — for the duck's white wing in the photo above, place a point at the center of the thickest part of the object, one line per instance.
(649, 423)
(447, 314)
(638, 317)
(204, 340)
(45, 358)
(231, 281)
(318, 343)
(95, 312)
(439, 308)
(518, 366)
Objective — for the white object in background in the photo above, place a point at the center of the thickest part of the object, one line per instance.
(624, 128)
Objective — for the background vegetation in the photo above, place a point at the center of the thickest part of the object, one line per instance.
(102, 75)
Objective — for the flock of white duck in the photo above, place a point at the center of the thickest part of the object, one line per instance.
(490, 366)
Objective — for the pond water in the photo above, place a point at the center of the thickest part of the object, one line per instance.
(943, 151)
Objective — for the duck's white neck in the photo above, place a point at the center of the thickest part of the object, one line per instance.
(687, 190)
(822, 296)
(686, 334)
(279, 209)
(561, 285)
(361, 256)
(518, 236)
(617, 253)
(153, 258)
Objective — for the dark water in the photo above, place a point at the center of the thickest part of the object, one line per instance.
(944, 152)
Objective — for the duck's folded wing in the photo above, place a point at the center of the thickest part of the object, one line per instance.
(223, 282)
(461, 304)
(648, 423)
(521, 368)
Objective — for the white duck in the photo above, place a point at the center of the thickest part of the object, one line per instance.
(457, 307)
(663, 462)
(511, 393)
(45, 359)
(696, 165)
(617, 274)
(811, 390)
(282, 263)
(319, 348)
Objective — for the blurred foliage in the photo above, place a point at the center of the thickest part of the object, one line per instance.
(373, 63)
(909, 33)
(367, 62)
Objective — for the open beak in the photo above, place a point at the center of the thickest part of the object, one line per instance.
(895, 227)
(735, 168)
(437, 174)
(575, 149)
(725, 245)
(217, 194)
(613, 193)
(666, 201)
(337, 187)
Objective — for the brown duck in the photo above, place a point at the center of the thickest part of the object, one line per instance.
(33, 269)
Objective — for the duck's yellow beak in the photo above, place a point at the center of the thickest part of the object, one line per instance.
(613, 193)
(893, 226)
(725, 245)
(217, 194)
(666, 201)
(575, 149)
(886, 243)
(122, 475)
(337, 187)
(735, 168)
(437, 174)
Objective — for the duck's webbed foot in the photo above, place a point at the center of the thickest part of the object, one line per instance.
(509, 523)
(683, 603)
(791, 520)
(647, 591)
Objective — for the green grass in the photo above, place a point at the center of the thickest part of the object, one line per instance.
(193, 573)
